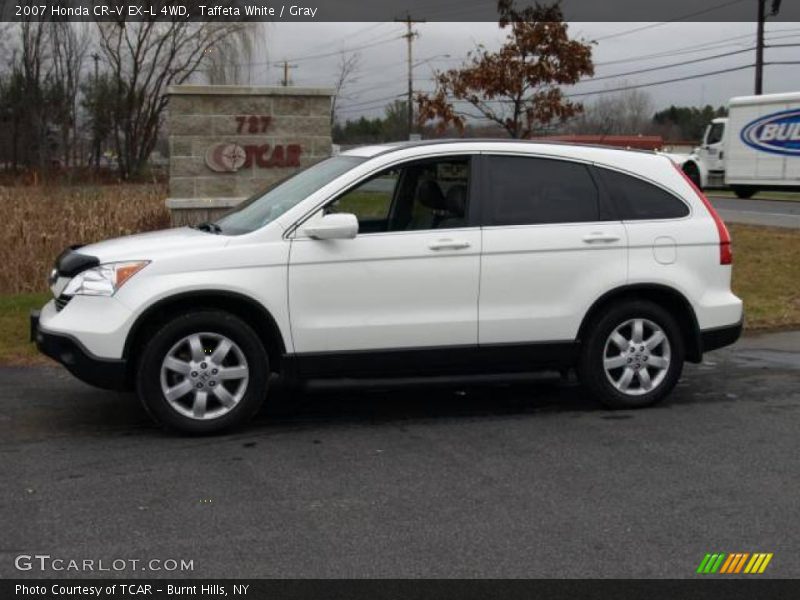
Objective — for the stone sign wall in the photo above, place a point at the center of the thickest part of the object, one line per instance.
(228, 142)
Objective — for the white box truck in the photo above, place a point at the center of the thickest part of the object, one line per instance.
(756, 148)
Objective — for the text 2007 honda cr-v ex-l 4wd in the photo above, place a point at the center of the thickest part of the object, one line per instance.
(410, 260)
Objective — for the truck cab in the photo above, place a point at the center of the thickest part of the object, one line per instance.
(712, 152)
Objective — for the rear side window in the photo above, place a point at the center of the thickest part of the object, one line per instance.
(636, 199)
(530, 191)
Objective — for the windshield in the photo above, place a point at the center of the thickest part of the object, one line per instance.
(266, 206)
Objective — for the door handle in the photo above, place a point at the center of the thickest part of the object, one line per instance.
(448, 244)
(599, 236)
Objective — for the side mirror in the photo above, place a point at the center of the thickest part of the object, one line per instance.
(337, 226)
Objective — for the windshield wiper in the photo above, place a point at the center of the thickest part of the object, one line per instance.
(208, 226)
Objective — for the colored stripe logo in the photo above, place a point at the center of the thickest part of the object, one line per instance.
(735, 562)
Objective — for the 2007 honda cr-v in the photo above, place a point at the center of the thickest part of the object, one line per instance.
(436, 258)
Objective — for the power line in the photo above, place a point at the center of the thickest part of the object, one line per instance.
(715, 45)
(624, 88)
(671, 65)
(654, 83)
(681, 18)
(362, 105)
(707, 46)
(344, 50)
(349, 37)
(324, 55)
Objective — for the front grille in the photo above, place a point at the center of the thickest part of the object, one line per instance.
(62, 301)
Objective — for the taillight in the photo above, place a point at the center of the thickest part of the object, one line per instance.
(725, 249)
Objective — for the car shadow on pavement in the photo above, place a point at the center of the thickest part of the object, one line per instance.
(547, 393)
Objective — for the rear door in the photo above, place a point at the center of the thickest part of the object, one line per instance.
(550, 249)
(665, 245)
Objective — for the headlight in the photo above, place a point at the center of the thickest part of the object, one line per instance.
(105, 279)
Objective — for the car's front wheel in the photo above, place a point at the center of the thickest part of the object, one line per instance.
(633, 355)
(203, 372)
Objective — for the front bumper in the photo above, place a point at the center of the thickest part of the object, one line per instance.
(100, 372)
(718, 337)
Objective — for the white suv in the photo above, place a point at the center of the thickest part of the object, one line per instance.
(449, 258)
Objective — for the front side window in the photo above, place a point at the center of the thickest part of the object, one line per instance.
(532, 191)
(715, 131)
(265, 207)
(420, 195)
(636, 199)
(371, 200)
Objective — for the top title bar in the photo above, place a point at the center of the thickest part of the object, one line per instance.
(384, 10)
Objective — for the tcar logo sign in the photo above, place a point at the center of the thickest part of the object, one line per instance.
(778, 133)
(225, 158)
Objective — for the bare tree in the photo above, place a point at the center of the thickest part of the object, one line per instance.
(230, 61)
(143, 58)
(30, 73)
(629, 112)
(69, 43)
(347, 75)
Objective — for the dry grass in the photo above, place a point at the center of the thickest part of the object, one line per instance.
(766, 275)
(38, 222)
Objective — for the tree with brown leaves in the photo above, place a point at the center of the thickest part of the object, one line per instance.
(516, 87)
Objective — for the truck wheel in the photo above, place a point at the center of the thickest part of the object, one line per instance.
(633, 355)
(744, 191)
(693, 173)
(203, 372)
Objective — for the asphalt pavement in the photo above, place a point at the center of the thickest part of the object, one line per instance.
(770, 213)
(524, 480)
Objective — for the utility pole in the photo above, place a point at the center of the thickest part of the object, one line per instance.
(410, 35)
(286, 67)
(762, 19)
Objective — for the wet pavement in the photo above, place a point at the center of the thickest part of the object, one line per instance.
(524, 480)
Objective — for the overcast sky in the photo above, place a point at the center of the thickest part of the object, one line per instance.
(383, 63)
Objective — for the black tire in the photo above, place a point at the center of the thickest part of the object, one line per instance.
(592, 372)
(745, 192)
(693, 173)
(213, 322)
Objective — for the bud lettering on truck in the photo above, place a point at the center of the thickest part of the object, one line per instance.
(778, 133)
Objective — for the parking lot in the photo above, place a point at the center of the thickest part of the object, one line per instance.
(523, 480)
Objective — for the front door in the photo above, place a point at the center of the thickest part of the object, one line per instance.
(408, 281)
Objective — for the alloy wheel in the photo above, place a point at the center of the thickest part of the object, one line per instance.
(636, 357)
(204, 375)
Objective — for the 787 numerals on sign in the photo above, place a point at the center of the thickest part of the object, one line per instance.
(252, 123)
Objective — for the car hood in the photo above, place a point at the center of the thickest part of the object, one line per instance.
(147, 246)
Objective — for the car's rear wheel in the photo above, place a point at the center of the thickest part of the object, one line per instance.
(633, 355)
(203, 372)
